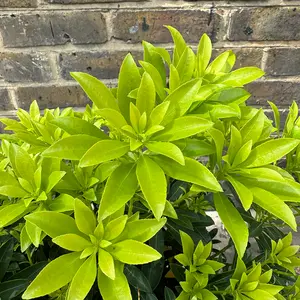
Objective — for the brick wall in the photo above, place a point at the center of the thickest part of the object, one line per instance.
(41, 41)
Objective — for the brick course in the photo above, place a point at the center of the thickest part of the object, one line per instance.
(104, 64)
(283, 62)
(19, 67)
(46, 29)
(265, 24)
(135, 26)
(18, 3)
(51, 96)
(41, 41)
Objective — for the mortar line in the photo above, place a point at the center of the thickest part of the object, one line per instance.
(13, 98)
(120, 45)
(264, 59)
(53, 63)
(153, 4)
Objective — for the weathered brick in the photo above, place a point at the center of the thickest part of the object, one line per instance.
(51, 96)
(57, 28)
(284, 61)
(89, 1)
(15, 67)
(18, 3)
(136, 26)
(103, 65)
(5, 103)
(265, 24)
(245, 57)
(280, 92)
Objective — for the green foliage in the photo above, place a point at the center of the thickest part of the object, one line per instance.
(252, 283)
(116, 198)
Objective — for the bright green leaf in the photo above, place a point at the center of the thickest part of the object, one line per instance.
(243, 192)
(274, 205)
(51, 278)
(119, 189)
(96, 90)
(203, 54)
(117, 289)
(84, 217)
(83, 280)
(104, 151)
(253, 128)
(133, 252)
(72, 147)
(33, 232)
(241, 76)
(270, 151)
(11, 212)
(187, 245)
(158, 113)
(72, 242)
(74, 126)
(156, 78)
(114, 228)
(179, 42)
(153, 184)
(53, 223)
(106, 264)
(129, 79)
(146, 96)
(181, 100)
(186, 65)
(193, 171)
(183, 127)
(233, 222)
(242, 154)
(142, 230)
(167, 149)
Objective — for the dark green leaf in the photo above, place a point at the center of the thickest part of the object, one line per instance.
(169, 294)
(153, 272)
(6, 252)
(137, 278)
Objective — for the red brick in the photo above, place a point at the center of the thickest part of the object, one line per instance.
(135, 26)
(51, 96)
(18, 3)
(104, 64)
(280, 92)
(20, 67)
(283, 62)
(57, 28)
(265, 24)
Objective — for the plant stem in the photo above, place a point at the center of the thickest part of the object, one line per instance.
(284, 273)
(221, 251)
(181, 199)
(219, 292)
(130, 208)
(29, 257)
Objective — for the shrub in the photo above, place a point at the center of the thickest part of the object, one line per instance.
(111, 203)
